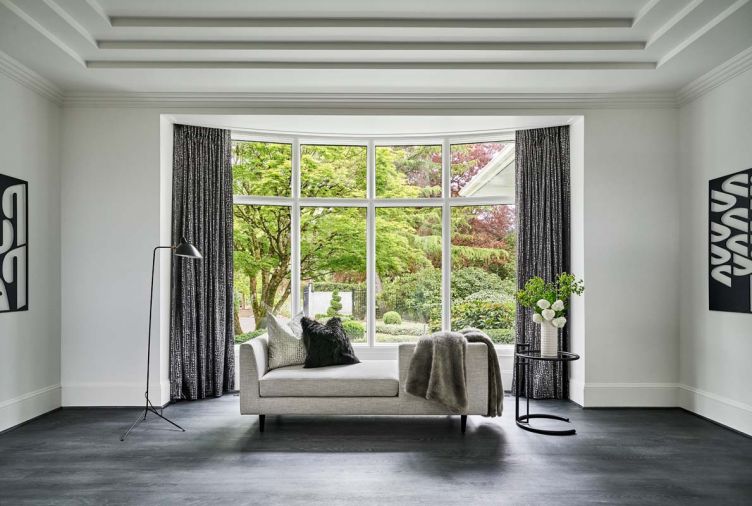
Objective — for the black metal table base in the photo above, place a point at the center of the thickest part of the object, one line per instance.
(523, 422)
(522, 362)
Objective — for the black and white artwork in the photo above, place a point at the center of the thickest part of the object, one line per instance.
(14, 247)
(730, 281)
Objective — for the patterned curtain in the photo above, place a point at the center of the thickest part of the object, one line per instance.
(201, 336)
(542, 200)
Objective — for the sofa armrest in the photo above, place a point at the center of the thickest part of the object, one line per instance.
(254, 360)
(404, 355)
(476, 371)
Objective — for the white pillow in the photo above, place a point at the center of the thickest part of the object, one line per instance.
(296, 326)
(284, 348)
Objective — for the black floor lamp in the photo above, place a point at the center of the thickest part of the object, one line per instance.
(186, 250)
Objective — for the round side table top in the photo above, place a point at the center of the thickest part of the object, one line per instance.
(562, 356)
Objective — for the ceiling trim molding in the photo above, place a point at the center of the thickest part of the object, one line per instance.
(688, 41)
(644, 10)
(72, 22)
(97, 7)
(36, 25)
(673, 21)
(26, 77)
(349, 45)
(366, 22)
(724, 72)
(370, 65)
(477, 103)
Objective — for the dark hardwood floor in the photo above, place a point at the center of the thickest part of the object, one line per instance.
(657, 456)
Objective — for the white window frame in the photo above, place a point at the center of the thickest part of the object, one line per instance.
(371, 203)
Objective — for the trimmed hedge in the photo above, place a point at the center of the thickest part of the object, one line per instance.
(483, 315)
(400, 330)
(353, 329)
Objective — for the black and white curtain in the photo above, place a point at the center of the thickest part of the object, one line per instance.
(201, 335)
(543, 223)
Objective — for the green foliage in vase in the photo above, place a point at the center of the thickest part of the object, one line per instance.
(536, 289)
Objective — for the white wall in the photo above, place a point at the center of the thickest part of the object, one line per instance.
(30, 340)
(111, 220)
(110, 224)
(715, 350)
(631, 247)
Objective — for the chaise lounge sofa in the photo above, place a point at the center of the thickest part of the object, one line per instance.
(372, 387)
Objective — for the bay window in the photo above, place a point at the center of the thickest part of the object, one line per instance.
(398, 239)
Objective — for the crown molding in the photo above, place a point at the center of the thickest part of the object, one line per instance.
(726, 71)
(26, 77)
(478, 103)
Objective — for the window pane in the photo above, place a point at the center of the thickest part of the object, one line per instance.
(408, 171)
(261, 168)
(333, 266)
(408, 266)
(333, 171)
(262, 265)
(484, 270)
(484, 169)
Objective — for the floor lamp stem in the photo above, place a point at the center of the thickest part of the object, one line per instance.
(148, 406)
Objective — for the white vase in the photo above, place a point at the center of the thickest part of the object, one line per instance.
(549, 339)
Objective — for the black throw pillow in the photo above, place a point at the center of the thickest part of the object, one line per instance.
(326, 344)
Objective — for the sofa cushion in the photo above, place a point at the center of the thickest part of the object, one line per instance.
(374, 378)
(326, 344)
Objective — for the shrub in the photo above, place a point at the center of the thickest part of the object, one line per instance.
(353, 329)
(501, 336)
(490, 296)
(324, 286)
(335, 305)
(473, 279)
(412, 295)
(241, 338)
(483, 315)
(392, 318)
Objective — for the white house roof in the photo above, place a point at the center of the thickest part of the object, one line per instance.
(496, 179)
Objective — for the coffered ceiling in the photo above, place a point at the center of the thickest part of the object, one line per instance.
(448, 46)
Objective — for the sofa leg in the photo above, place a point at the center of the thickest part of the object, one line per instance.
(463, 422)
(262, 419)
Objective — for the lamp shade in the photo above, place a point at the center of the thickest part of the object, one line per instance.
(187, 250)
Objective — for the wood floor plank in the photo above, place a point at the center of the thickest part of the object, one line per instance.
(652, 456)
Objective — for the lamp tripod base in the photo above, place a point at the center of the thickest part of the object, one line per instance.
(149, 408)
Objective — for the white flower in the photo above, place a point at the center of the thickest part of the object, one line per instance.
(548, 314)
(559, 322)
(558, 305)
(543, 304)
(537, 318)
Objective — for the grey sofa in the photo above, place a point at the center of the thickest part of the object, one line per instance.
(373, 387)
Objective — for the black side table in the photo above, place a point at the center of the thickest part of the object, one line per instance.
(523, 358)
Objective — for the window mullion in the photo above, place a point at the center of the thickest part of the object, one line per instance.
(371, 243)
(295, 228)
(446, 237)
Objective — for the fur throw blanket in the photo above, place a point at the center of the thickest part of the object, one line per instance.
(437, 370)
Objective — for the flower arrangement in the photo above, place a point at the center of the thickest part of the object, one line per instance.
(549, 301)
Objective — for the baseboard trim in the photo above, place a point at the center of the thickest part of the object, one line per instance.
(577, 391)
(628, 395)
(111, 394)
(21, 409)
(727, 412)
